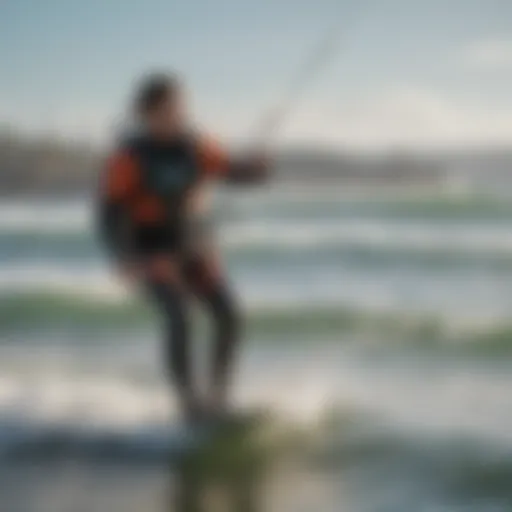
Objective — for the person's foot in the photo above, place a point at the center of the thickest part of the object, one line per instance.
(216, 407)
(192, 410)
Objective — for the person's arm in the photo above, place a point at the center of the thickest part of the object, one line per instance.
(242, 169)
(116, 189)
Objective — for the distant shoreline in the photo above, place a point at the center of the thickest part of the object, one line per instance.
(45, 166)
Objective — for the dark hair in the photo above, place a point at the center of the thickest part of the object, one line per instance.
(153, 90)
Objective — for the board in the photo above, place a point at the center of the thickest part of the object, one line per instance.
(232, 446)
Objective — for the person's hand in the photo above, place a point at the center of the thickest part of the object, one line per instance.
(250, 167)
(259, 164)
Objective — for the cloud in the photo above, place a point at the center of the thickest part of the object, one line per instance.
(405, 117)
(77, 122)
(489, 54)
(402, 116)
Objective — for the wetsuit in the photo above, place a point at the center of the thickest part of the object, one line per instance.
(146, 196)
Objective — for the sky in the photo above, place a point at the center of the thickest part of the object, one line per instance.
(405, 73)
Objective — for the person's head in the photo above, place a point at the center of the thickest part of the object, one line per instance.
(159, 104)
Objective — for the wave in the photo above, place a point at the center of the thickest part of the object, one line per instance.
(277, 235)
(56, 262)
(44, 216)
(76, 216)
(60, 312)
(76, 278)
(336, 203)
(119, 418)
(340, 438)
(453, 469)
(35, 443)
(373, 234)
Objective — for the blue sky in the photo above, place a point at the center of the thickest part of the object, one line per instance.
(408, 72)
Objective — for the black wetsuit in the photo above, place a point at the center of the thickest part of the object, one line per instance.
(143, 214)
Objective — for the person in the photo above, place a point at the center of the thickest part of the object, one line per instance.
(150, 211)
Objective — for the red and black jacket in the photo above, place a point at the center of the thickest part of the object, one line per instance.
(147, 184)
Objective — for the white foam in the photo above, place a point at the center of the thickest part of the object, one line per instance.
(71, 217)
(373, 234)
(45, 216)
(78, 279)
(299, 386)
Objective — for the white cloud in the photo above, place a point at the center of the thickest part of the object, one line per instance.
(402, 116)
(77, 122)
(489, 54)
(405, 117)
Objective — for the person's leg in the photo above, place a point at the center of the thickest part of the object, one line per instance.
(165, 287)
(224, 312)
(206, 280)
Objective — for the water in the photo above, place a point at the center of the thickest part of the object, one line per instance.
(377, 325)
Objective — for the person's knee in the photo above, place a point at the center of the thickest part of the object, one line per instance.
(169, 299)
(225, 309)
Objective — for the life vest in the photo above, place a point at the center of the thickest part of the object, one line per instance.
(168, 170)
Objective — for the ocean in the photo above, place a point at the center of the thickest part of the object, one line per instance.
(377, 326)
